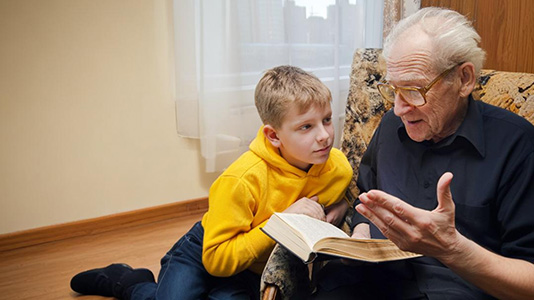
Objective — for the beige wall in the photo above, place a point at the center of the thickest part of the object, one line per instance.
(87, 120)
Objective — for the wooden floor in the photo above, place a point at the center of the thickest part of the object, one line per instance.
(44, 271)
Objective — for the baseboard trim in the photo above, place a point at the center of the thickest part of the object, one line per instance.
(31, 237)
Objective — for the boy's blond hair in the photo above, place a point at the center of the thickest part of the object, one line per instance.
(283, 86)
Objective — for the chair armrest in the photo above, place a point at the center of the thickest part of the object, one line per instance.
(285, 276)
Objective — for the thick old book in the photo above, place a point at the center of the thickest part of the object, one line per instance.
(309, 238)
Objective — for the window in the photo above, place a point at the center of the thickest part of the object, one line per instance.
(222, 47)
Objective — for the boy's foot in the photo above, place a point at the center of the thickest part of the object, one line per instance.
(111, 281)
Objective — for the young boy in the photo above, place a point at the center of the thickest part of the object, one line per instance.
(290, 167)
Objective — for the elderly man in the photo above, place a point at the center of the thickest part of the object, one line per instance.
(477, 231)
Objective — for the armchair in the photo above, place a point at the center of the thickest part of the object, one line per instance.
(285, 276)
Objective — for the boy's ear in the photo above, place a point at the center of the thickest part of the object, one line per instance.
(271, 135)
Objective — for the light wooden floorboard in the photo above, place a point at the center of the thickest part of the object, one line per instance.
(44, 271)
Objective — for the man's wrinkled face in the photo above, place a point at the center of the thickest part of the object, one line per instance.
(410, 64)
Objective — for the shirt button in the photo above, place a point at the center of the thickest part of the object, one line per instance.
(426, 184)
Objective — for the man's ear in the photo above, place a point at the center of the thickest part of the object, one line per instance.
(467, 78)
(271, 135)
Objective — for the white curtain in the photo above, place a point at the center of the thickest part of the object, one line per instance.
(222, 48)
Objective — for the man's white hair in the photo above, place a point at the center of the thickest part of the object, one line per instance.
(453, 38)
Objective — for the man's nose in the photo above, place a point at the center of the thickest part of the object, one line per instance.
(401, 106)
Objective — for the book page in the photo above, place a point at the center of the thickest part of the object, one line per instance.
(374, 250)
(312, 229)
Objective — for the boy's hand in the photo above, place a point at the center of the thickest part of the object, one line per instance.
(361, 231)
(309, 207)
(336, 212)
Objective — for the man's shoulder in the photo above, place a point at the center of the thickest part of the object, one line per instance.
(390, 118)
(505, 130)
(511, 122)
(389, 123)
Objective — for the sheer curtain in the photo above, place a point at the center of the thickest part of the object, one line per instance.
(394, 10)
(222, 48)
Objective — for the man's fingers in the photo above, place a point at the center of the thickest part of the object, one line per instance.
(444, 194)
(389, 224)
(377, 199)
(393, 217)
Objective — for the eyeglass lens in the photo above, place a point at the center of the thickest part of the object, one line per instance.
(413, 97)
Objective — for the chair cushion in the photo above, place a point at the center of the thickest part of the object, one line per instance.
(509, 90)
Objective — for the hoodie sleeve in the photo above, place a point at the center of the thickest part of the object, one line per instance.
(232, 242)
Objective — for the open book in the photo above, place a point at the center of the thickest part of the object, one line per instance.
(308, 238)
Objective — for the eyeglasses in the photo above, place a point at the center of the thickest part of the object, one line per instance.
(414, 95)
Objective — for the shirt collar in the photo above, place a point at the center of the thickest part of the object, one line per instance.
(471, 130)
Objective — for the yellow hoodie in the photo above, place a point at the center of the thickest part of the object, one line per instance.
(259, 183)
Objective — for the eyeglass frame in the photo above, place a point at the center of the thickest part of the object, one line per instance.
(421, 90)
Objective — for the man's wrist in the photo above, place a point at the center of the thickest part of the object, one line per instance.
(461, 248)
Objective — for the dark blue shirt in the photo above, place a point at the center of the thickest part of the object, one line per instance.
(492, 158)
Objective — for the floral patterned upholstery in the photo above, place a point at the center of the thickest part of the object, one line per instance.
(365, 107)
(509, 90)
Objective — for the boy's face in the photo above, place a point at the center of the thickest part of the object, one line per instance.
(305, 139)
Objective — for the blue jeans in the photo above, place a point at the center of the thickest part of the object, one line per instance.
(183, 276)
